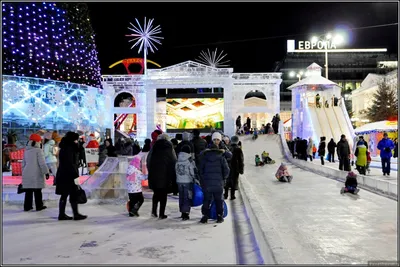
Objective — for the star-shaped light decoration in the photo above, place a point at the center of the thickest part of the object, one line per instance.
(213, 59)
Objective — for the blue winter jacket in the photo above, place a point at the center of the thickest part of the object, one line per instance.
(214, 170)
(383, 144)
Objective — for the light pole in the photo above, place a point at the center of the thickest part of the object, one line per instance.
(327, 39)
(298, 75)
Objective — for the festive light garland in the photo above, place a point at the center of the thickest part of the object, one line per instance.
(49, 40)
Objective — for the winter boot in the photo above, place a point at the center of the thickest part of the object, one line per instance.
(135, 210)
(77, 216)
(220, 219)
(61, 215)
(356, 191)
(154, 210)
(204, 219)
(342, 190)
(185, 216)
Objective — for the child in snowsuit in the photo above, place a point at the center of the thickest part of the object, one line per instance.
(350, 185)
(258, 161)
(266, 159)
(255, 134)
(282, 174)
(186, 175)
(135, 174)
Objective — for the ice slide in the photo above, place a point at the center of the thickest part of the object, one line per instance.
(301, 220)
(330, 122)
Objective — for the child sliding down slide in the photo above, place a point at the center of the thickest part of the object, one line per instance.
(350, 185)
(282, 174)
(258, 161)
(266, 159)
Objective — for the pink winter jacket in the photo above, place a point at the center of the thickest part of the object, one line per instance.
(137, 171)
(282, 171)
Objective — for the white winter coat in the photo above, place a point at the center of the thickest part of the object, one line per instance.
(34, 167)
(310, 147)
(136, 173)
(49, 154)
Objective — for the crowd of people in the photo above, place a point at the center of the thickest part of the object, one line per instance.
(248, 128)
(213, 161)
(304, 150)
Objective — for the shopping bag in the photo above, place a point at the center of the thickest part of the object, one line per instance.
(198, 196)
(213, 210)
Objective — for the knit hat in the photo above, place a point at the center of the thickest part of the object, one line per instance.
(146, 147)
(235, 140)
(216, 135)
(147, 141)
(186, 149)
(283, 164)
(352, 175)
(163, 136)
(35, 137)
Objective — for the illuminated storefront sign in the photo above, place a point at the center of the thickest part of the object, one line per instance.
(319, 47)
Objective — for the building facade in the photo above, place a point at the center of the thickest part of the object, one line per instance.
(348, 70)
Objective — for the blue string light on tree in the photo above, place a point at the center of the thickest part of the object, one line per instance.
(50, 40)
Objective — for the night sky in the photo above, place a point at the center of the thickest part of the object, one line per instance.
(189, 28)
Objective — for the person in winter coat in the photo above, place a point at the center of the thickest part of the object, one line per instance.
(34, 171)
(385, 146)
(214, 171)
(199, 145)
(310, 149)
(82, 156)
(343, 152)
(217, 140)
(161, 166)
(258, 161)
(67, 175)
(136, 173)
(185, 142)
(186, 176)
(236, 167)
(238, 123)
(396, 148)
(331, 150)
(135, 147)
(248, 122)
(127, 148)
(368, 161)
(283, 175)
(50, 152)
(361, 154)
(111, 150)
(102, 154)
(314, 151)
(351, 184)
(275, 123)
(321, 149)
(154, 136)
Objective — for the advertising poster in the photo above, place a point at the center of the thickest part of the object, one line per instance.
(92, 159)
(195, 113)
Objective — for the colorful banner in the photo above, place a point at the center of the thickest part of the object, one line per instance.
(92, 159)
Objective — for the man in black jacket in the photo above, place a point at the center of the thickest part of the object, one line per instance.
(331, 151)
(214, 171)
(236, 168)
(199, 145)
(343, 152)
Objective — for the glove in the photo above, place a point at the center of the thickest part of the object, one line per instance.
(47, 176)
(76, 181)
(196, 181)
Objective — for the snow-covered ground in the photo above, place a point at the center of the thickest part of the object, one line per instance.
(308, 221)
(109, 236)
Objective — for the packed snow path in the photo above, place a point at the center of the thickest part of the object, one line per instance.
(308, 221)
(109, 236)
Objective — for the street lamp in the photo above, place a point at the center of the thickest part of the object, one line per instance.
(298, 75)
(327, 39)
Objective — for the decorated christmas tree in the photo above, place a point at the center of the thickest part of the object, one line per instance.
(51, 41)
(384, 104)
